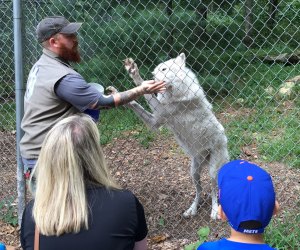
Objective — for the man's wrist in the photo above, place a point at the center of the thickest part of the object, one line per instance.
(121, 98)
(141, 90)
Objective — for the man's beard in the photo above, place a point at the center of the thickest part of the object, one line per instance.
(70, 55)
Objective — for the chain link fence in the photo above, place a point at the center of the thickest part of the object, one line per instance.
(246, 57)
(7, 116)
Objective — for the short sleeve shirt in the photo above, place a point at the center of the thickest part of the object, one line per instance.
(76, 91)
(116, 222)
(225, 244)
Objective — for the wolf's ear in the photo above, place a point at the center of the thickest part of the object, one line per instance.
(180, 60)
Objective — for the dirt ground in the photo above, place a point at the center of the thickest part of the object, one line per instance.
(159, 176)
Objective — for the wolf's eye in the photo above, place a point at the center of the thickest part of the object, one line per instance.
(163, 69)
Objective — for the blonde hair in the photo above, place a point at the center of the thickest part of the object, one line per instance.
(70, 159)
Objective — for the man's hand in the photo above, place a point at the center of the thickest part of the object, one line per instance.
(147, 87)
(151, 86)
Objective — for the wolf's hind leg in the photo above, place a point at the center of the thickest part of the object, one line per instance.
(196, 167)
(219, 156)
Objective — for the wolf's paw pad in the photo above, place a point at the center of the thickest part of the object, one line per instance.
(130, 66)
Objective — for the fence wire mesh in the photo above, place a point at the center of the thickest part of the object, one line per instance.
(246, 57)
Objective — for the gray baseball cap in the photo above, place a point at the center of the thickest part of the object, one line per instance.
(52, 25)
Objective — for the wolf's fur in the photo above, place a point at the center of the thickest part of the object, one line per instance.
(184, 109)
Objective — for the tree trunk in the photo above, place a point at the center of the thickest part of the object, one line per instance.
(273, 9)
(200, 30)
(169, 29)
(248, 39)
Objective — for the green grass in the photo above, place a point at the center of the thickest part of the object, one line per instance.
(260, 119)
(8, 213)
(284, 235)
(122, 122)
(273, 133)
(255, 118)
(115, 122)
(280, 233)
(7, 116)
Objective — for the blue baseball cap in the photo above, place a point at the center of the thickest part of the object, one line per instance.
(247, 196)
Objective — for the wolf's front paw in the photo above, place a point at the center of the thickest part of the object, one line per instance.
(131, 67)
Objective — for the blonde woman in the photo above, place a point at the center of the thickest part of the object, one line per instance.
(77, 204)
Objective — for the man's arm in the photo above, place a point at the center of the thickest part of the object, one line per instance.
(75, 90)
(147, 87)
(121, 98)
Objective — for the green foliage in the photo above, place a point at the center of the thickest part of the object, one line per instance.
(116, 122)
(6, 89)
(111, 126)
(202, 233)
(228, 71)
(6, 48)
(275, 136)
(93, 70)
(8, 212)
(216, 86)
(145, 136)
(284, 234)
(140, 30)
(280, 142)
(7, 115)
(280, 234)
(161, 222)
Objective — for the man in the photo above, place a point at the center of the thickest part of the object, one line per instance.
(55, 90)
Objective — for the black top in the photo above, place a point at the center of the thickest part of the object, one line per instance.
(116, 222)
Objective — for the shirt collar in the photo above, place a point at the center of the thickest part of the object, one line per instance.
(54, 56)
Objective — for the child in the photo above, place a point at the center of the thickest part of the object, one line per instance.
(247, 202)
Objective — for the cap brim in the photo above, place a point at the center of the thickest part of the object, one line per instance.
(71, 28)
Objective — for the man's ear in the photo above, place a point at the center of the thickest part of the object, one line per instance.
(53, 41)
(276, 208)
(221, 214)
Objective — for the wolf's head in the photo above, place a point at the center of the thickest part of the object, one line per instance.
(181, 83)
(171, 70)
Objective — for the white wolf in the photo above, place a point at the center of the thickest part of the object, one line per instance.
(184, 109)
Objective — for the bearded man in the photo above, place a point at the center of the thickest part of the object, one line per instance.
(55, 90)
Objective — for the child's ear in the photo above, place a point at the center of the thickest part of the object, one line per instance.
(276, 208)
(221, 214)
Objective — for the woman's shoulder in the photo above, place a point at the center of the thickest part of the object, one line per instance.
(120, 202)
(111, 193)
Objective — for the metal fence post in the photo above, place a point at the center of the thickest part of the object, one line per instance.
(19, 101)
